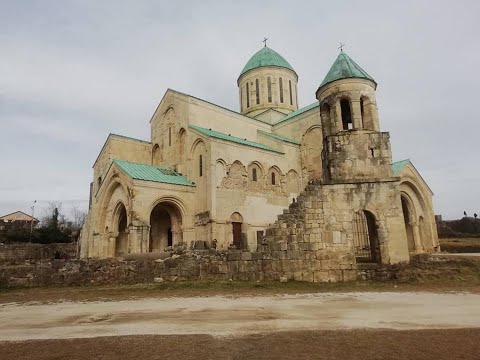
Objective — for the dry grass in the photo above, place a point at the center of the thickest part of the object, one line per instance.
(460, 245)
(450, 344)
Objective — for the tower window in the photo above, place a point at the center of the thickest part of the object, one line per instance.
(248, 95)
(169, 136)
(254, 174)
(280, 83)
(200, 166)
(290, 90)
(296, 94)
(273, 178)
(241, 97)
(269, 89)
(257, 91)
(346, 114)
(361, 112)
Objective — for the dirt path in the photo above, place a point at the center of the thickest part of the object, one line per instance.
(444, 344)
(226, 316)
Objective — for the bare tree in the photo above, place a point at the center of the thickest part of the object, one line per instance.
(78, 217)
(52, 215)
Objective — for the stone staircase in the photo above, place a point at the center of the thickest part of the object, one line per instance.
(306, 248)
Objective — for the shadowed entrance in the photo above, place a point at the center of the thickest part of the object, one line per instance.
(365, 237)
(165, 226)
(121, 240)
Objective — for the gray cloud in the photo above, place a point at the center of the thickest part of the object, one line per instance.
(71, 72)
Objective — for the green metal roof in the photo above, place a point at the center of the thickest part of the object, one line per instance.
(298, 112)
(218, 135)
(278, 137)
(345, 68)
(266, 57)
(152, 173)
(399, 165)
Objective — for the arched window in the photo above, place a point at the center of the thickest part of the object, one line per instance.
(346, 114)
(290, 90)
(280, 84)
(99, 181)
(241, 96)
(200, 165)
(362, 112)
(169, 136)
(365, 237)
(273, 178)
(254, 174)
(296, 94)
(248, 95)
(257, 91)
(269, 89)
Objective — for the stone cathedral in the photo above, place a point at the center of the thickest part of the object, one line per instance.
(271, 175)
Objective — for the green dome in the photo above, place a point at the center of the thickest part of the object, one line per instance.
(345, 68)
(266, 57)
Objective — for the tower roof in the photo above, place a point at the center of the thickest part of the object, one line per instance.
(266, 57)
(345, 68)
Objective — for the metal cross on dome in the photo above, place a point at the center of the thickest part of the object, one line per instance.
(265, 41)
(341, 46)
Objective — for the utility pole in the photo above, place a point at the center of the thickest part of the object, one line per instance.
(31, 221)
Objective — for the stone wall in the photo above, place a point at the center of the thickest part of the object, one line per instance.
(190, 266)
(19, 253)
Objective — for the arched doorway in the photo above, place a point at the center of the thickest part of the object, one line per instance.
(237, 222)
(365, 237)
(165, 227)
(121, 240)
(408, 217)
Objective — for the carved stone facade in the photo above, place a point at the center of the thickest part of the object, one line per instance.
(221, 177)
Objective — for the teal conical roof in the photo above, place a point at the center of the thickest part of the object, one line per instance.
(345, 68)
(266, 57)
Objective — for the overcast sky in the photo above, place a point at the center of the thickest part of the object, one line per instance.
(71, 72)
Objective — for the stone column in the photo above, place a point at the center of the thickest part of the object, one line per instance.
(337, 123)
(138, 238)
(112, 240)
(356, 115)
(374, 115)
(188, 236)
(416, 237)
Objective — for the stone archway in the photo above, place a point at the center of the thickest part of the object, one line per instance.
(237, 226)
(365, 237)
(165, 226)
(121, 240)
(411, 225)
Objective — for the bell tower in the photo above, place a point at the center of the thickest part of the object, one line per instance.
(354, 149)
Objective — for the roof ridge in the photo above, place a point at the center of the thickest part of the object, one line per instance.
(19, 211)
(219, 106)
(222, 136)
(298, 112)
(130, 138)
(279, 137)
